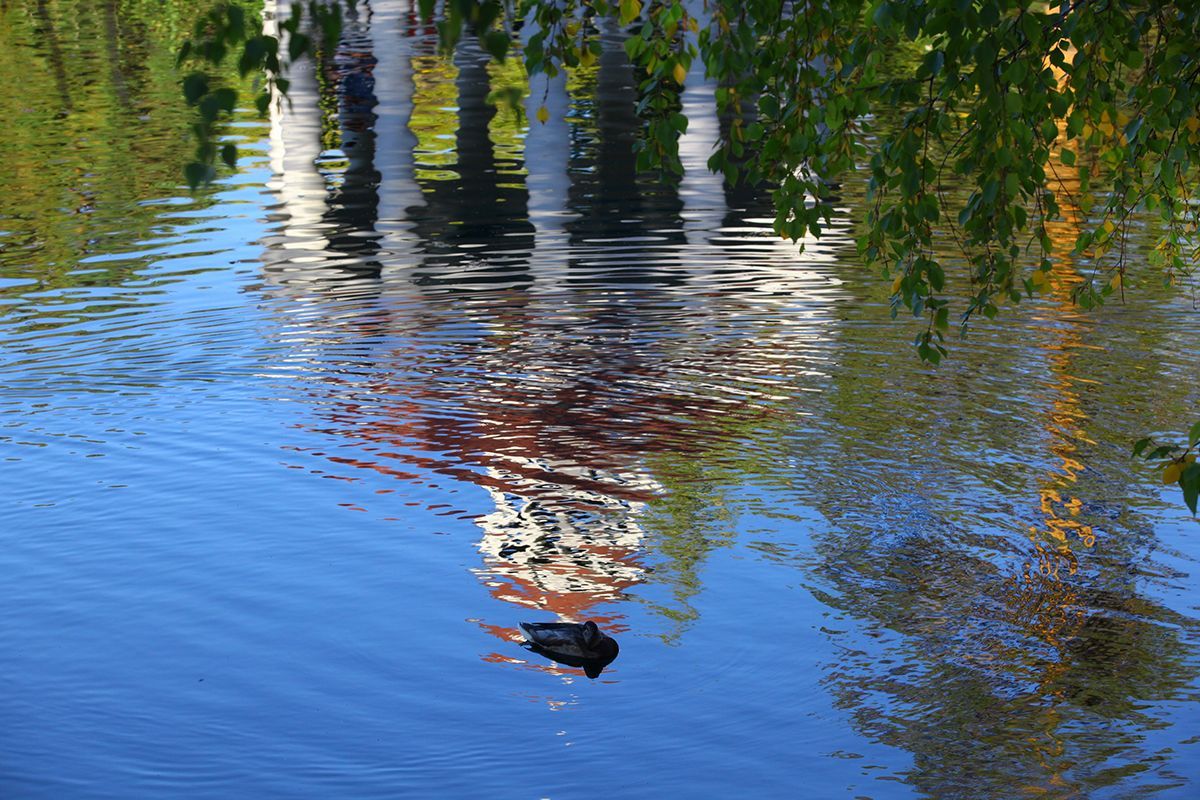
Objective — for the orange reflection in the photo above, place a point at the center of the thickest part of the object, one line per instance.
(1048, 605)
(1061, 528)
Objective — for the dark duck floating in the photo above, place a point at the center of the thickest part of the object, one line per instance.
(576, 644)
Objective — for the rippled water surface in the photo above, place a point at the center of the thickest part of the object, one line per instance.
(285, 462)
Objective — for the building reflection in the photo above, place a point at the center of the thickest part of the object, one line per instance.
(568, 362)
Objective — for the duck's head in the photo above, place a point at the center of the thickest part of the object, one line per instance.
(606, 649)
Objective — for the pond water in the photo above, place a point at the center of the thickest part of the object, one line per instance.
(285, 462)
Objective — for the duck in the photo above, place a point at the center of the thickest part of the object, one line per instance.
(577, 644)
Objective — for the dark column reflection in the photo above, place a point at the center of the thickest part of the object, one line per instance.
(627, 228)
(49, 35)
(474, 225)
(347, 86)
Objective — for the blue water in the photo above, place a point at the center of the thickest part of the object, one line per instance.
(285, 463)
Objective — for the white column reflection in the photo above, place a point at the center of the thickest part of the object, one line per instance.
(394, 23)
(547, 154)
(296, 245)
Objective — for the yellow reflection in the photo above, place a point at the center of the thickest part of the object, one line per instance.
(1048, 606)
(434, 120)
(1061, 528)
(581, 86)
(507, 129)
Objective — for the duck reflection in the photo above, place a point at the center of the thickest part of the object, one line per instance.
(592, 667)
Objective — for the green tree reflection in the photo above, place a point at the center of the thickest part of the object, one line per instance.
(94, 129)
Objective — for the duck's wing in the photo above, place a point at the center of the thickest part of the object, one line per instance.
(560, 636)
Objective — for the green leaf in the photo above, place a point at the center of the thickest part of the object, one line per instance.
(1189, 481)
(237, 22)
(1194, 434)
(883, 14)
(226, 99)
(936, 275)
(196, 174)
(1031, 26)
(496, 43)
(210, 107)
(252, 55)
(195, 86)
(933, 64)
(630, 10)
(1012, 185)
(1075, 122)
(298, 45)
(1141, 445)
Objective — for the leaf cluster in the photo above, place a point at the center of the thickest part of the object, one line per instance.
(228, 33)
(982, 123)
(1177, 462)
